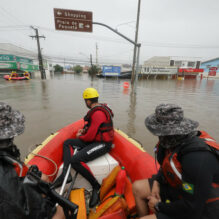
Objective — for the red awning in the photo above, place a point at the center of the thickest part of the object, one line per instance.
(191, 70)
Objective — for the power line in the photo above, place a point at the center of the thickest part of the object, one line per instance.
(177, 45)
(14, 29)
(126, 23)
(11, 15)
(144, 43)
(70, 60)
(15, 26)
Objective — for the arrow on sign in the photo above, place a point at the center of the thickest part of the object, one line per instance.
(59, 13)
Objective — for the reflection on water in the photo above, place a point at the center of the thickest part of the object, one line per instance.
(45, 96)
(210, 85)
(52, 104)
(131, 114)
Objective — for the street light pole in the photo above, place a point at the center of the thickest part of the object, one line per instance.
(136, 44)
(115, 31)
(137, 64)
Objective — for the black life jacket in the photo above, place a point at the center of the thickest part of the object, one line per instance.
(20, 168)
(18, 199)
(105, 127)
(171, 166)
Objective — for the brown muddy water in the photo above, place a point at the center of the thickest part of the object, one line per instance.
(52, 104)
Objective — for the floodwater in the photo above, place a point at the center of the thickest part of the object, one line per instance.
(52, 104)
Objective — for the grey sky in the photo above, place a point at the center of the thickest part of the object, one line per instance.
(167, 27)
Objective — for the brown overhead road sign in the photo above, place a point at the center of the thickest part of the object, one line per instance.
(72, 20)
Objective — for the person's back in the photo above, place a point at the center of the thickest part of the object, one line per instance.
(93, 141)
(99, 125)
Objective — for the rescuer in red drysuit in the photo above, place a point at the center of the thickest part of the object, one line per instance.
(93, 141)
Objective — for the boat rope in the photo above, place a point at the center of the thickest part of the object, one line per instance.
(49, 159)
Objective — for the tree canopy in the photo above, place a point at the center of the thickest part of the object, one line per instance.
(93, 70)
(58, 68)
(78, 69)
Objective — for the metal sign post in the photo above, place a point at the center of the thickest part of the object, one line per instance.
(72, 20)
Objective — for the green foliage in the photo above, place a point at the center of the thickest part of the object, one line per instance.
(58, 68)
(93, 70)
(78, 69)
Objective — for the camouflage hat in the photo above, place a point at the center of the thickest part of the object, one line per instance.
(169, 119)
(11, 122)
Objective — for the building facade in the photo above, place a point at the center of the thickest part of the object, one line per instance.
(9, 62)
(211, 68)
(15, 58)
(171, 67)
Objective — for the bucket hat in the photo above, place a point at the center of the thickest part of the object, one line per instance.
(11, 122)
(169, 119)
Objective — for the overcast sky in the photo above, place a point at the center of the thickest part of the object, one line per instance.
(167, 28)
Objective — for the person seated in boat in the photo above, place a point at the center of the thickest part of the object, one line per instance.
(14, 74)
(26, 74)
(18, 199)
(187, 183)
(93, 141)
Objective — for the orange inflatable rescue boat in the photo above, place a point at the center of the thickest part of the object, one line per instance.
(125, 152)
(15, 76)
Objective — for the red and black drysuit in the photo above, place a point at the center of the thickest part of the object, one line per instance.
(189, 179)
(93, 143)
(19, 200)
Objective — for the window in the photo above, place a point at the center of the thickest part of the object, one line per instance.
(198, 64)
(171, 62)
(191, 64)
(178, 63)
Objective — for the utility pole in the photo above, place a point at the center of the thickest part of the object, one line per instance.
(136, 44)
(91, 60)
(64, 66)
(37, 37)
(96, 54)
(137, 62)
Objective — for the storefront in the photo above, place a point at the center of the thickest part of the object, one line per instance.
(9, 63)
(211, 68)
(189, 73)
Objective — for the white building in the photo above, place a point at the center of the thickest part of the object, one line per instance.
(13, 50)
(168, 66)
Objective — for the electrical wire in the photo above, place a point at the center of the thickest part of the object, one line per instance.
(177, 45)
(14, 26)
(144, 43)
(101, 38)
(11, 15)
(67, 60)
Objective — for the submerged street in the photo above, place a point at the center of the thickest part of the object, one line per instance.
(49, 105)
